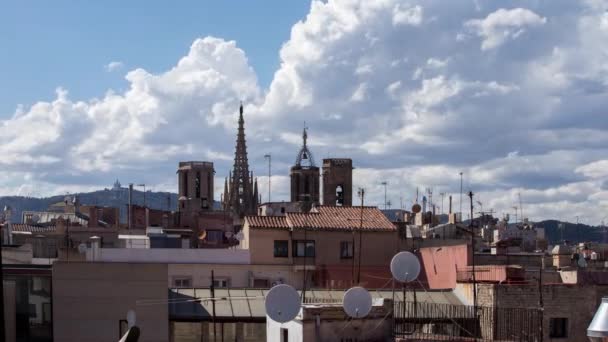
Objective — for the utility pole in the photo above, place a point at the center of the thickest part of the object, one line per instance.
(473, 262)
(461, 195)
(144, 185)
(362, 196)
(269, 157)
(385, 183)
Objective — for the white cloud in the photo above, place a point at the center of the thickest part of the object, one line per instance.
(503, 24)
(114, 66)
(404, 15)
(528, 120)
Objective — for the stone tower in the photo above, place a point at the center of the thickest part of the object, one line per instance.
(304, 175)
(195, 181)
(338, 181)
(240, 188)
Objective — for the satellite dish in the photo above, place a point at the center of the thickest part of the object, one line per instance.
(35, 218)
(228, 235)
(405, 267)
(130, 318)
(269, 211)
(282, 303)
(416, 208)
(202, 235)
(357, 302)
(240, 236)
(82, 248)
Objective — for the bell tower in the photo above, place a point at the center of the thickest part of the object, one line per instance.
(338, 181)
(304, 175)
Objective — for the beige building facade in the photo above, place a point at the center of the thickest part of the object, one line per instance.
(91, 300)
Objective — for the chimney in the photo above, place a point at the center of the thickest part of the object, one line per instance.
(8, 225)
(60, 226)
(130, 209)
(450, 204)
(92, 217)
(95, 249)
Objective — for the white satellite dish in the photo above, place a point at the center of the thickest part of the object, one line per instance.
(405, 267)
(82, 248)
(240, 236)
(357, 302)
(282, 303)
(131, 318)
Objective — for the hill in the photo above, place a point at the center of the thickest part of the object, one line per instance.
(572, 232)
(116, 197)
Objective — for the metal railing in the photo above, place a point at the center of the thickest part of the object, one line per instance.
(446, 322)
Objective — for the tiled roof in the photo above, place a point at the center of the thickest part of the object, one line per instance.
(274, 222)
(341, 218)
(326, 217)
(20, 227)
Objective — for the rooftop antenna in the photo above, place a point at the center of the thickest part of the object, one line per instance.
(521, 207)
(282, 303)
(357, 302)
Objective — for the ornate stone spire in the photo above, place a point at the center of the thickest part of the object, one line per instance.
(241, 199)
(305, 158)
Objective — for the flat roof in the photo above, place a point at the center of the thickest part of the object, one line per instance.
(247, 304)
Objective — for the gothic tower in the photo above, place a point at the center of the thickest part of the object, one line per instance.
(338, 181)
(304, 175)
(240, 189)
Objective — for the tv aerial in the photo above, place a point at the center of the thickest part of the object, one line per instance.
(405, 267)
(357, 302)
(282, 303)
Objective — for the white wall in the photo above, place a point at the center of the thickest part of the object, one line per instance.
(171, 255)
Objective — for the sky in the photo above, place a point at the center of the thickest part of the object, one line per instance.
(511, 93)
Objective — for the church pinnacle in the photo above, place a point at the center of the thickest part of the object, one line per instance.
(240, 196)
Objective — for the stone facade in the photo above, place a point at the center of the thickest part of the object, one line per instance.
(338, 181)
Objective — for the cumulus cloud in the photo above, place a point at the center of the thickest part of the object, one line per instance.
(384, 82)
(503, 24)
(114, 66)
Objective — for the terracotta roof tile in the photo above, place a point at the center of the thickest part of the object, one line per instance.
(273, 222)
(341, 218)
(20, 227)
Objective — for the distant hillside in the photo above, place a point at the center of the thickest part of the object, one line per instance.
(572, 232)
(118, 198)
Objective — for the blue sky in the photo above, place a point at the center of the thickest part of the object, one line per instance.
(66, 43)
(511, 93)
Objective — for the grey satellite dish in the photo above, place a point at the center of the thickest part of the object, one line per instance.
(228, 235)
(405, 267)
(357, 302)
(282, 303)
(240, 236)
(82, 248)
(131, 318)
(35, 218)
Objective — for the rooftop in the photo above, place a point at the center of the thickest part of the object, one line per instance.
(327, 217)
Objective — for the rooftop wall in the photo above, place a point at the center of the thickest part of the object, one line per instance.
(171, 255)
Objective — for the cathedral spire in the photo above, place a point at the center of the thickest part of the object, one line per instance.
(241, 184)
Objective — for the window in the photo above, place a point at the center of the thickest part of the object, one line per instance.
(197, 185)
(558, 327)
(339, 195)
(284, 335)
(303, 248)
(221, 282)
(182, 282)
(261, 283)
(281, 249)
(346, 250)
(215, 236)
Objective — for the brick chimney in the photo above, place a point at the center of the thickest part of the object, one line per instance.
(92, 217)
